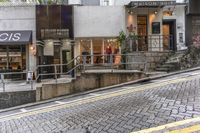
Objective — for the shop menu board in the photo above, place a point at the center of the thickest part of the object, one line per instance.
(155, 27)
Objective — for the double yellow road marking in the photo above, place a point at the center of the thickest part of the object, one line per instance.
(187, 130)
(175, 124)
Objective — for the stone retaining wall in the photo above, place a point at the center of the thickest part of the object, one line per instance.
(87, 81)
(10, 99)
(152, 58)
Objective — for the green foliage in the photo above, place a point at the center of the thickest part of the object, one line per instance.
(4, 0)
(50, 2)
(40, 1)
(133, 36)
(191, 58)
(122, 37)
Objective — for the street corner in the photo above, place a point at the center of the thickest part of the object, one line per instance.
(184, 126)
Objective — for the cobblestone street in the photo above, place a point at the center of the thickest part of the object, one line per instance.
(129, 108)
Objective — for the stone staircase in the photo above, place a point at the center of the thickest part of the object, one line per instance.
(172, 63)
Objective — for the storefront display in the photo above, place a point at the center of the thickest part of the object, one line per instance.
(13, 50)
(99, 50)
(13, 58)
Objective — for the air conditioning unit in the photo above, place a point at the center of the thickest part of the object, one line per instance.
(74, 2)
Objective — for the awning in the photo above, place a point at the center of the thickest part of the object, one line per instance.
(15, 37)
(151, 3)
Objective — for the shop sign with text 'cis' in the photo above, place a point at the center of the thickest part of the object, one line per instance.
(15, 37)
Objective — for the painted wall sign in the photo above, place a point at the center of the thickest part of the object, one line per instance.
(152, 3)
(9, 37)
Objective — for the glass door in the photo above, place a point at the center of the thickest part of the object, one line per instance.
(142, 32)
(97, 51)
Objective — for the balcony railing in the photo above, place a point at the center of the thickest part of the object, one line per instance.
(150, 43)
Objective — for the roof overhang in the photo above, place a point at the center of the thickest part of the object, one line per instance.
(151, 4)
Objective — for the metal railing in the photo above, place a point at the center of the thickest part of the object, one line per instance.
(73, 68)
(57, 70)
(20, 80)
(150, 43)
(85, 62)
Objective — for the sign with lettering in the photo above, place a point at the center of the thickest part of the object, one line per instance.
(10, 37)
(152, 3)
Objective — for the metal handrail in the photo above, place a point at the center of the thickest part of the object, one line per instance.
(3, 75)
(60, 64)
(55, 69)
(85, 64)
(79, 65)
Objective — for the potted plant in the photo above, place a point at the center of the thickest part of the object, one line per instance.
(121, 42)
(133, 42)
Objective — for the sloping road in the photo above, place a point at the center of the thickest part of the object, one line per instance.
(119, 110)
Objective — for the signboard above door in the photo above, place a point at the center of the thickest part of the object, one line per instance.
(151, 3)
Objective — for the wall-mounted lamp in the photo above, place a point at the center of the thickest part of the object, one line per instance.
(130, 12)
(173, 13)
(33, 49)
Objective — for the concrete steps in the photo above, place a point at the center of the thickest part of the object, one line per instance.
(172, 63)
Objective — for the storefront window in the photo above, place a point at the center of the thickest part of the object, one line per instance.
(99, 49)
(13, 58)
(85, 49)
(111, 46)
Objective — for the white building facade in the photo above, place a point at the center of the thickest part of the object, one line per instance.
(159, 26)
(96, 27)
(17, 38)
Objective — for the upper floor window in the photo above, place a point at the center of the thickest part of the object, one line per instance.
(105, 2)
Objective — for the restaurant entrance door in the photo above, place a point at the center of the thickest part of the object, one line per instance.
(142, 33)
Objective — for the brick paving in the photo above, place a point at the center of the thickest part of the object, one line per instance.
(121, 114)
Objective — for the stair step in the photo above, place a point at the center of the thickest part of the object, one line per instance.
(167, 66)
(162, 69)
(97, 67)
